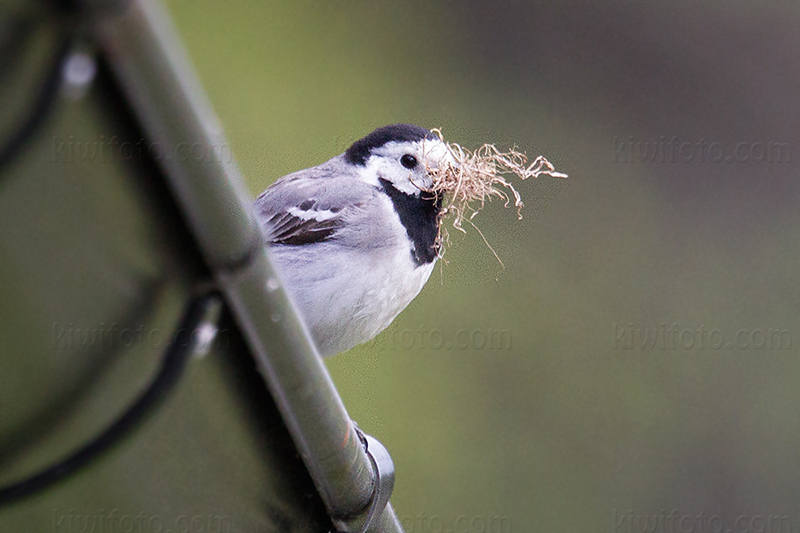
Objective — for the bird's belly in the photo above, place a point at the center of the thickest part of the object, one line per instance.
(353, 296)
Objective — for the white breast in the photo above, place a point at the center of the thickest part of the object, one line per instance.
(353, 295)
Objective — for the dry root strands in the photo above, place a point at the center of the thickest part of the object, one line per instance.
(472, 178)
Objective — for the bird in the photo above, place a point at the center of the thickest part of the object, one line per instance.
(355, 239)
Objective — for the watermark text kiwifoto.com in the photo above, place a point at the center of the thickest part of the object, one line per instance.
(433, 523)
(674, 336)
(113, 336)
(115, 149)
(425, 338)
(677, 521)
(116, 521)
(677, 150)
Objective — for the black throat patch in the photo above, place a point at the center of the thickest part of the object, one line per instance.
(419, 215)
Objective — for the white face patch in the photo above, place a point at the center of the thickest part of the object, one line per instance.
(436, 153)
(385, 162)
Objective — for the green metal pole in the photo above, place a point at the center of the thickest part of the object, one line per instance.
(154, 73)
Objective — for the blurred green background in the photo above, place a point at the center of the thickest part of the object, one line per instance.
(552, 410)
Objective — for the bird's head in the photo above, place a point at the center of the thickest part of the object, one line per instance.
(400, 156)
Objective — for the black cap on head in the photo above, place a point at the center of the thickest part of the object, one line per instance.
(358, 153)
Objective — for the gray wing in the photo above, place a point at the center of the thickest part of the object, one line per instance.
(310, 206)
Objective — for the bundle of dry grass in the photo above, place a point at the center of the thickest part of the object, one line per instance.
(474, 177)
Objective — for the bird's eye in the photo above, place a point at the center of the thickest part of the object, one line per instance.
(408, 161)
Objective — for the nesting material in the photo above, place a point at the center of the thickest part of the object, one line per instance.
(472, 178)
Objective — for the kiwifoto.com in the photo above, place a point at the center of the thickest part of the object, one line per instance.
(116, 149)
(116, 521)
(630, 336)
(677, 150)
(676, 521)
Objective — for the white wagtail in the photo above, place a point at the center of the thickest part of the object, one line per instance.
(355, 238)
